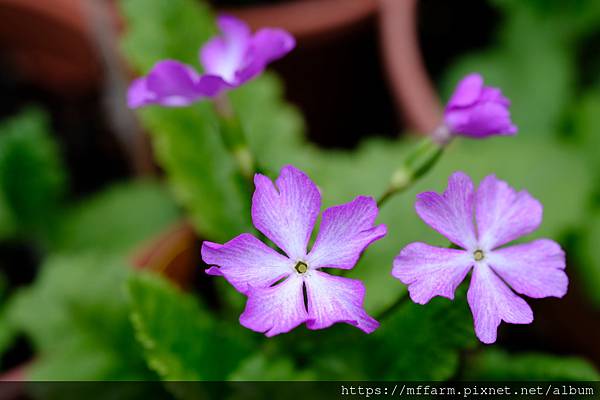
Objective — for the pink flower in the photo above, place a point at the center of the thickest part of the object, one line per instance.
(477, 111)
(276, 283)
(480, 223)
(229, 61)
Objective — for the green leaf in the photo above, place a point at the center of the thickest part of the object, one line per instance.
(423, 342)
(493, 364)
(117, 218)
(181, 340)
(588, 262)
(76, 315)
(32, 178)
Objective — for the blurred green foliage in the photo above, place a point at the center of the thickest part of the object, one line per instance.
(494, 364)
(32, 178)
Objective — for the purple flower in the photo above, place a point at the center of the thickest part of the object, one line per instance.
(285, 291)
(478, 111)
(480, 223)
(229, 61)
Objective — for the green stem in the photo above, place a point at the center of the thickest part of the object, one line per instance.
(234, 138)
(418, 163)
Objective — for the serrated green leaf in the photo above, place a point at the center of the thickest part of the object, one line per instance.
(117, 219)
(181, 340)
(32, 178)
(76, 315)
(493, 364)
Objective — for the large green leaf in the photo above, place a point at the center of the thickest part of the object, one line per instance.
(182, 341)
(493, 364)
(32, 178)
(76, 315)
(117, 218)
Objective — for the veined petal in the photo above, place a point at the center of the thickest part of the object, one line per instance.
(276, 309)
(492, 302)
(333, 299)
(346, 230)
(503, 214)
(246, 262)
(534, 269)
(267, 45)
(467, 91)
(431, 271)
(451, 213)
(286, 212)
(225, 54)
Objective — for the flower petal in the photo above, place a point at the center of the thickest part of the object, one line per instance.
(286, 213)
(173, 84)
(481, 120)
(333, 299)
(138, 94)
(451, 213)
(467, 91)
(492, 302)
(346, 230)
(276, 309)
(225, 54)
(246, 262)
(503, 214)
(534, 269)
(431, 271)
(267, 45)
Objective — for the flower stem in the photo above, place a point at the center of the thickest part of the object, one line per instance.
(234, 138)
(418, 163)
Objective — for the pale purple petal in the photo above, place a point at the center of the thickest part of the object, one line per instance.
(212, 85)
(333, 299)
(267, 45)
(246, 262)
(286, 212)
(534, 269)
(492, 302)
(276, 309)
(467, 91)
(170, 83)
(430, 271)
(451, 213)
(503, 214)
(345, 231)
(225, 54)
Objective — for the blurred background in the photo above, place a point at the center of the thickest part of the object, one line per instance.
(92, 193)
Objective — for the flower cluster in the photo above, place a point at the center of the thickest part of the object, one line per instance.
(229, 61)
(290, 287)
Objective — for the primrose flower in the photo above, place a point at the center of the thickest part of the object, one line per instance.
(476, 111)
(229, 60)
(285, 291)
(480, 223)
